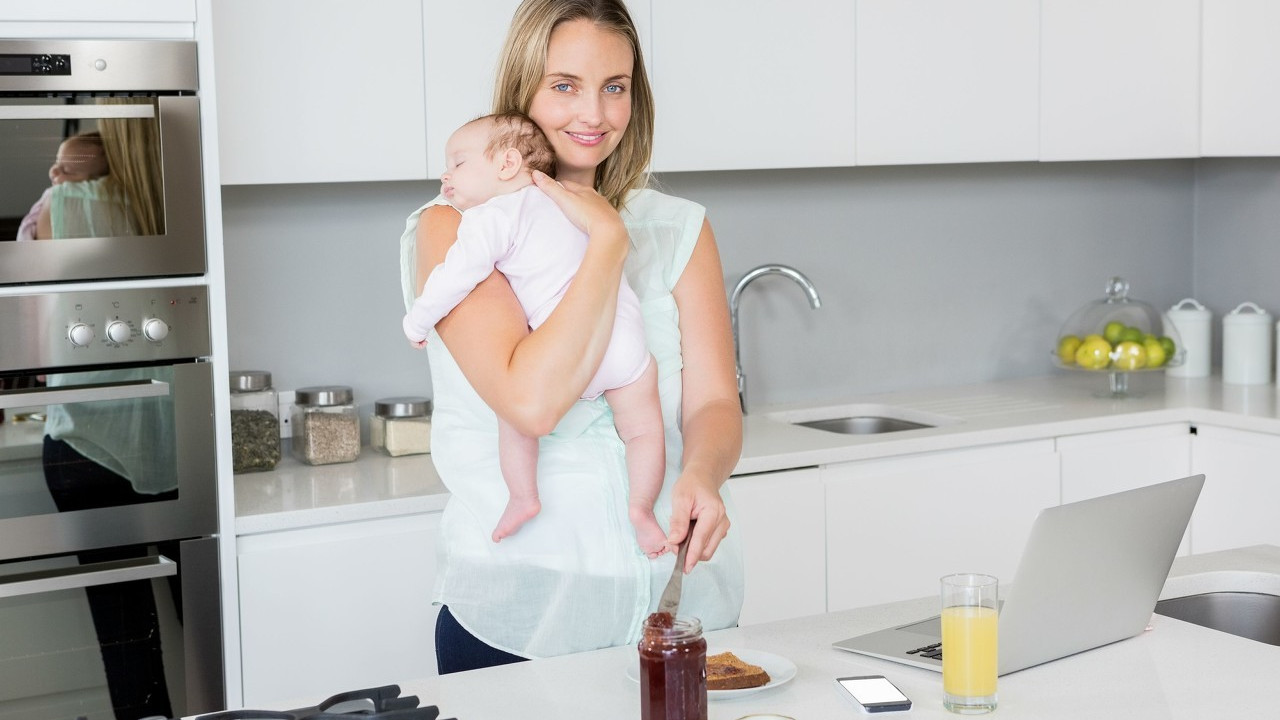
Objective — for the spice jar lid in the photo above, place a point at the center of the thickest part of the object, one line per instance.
(324, 395)
(401, 407)
(250, 380)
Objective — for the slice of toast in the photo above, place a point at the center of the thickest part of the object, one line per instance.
(727, 671)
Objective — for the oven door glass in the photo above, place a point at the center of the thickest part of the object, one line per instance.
(106, 457)
(99, 188)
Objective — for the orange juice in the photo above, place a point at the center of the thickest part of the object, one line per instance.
(969, 651)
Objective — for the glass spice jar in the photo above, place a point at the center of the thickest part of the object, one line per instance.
(401, 426)
(255, 422)
(326, 428)
(673, 662)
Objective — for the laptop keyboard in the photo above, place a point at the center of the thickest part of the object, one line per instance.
(933, 652)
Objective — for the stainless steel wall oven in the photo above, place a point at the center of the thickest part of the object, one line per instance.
(102, 138)
(109, 573)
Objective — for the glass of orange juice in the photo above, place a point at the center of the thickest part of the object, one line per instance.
(969, 636)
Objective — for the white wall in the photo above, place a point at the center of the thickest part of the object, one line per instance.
(929, 275)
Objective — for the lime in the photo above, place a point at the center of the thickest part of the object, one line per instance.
(1169, 346)
(1156, 355)
(1131, 334)
(1067, 346)
(1130, 356)
(1113, 332)
(1094, 353)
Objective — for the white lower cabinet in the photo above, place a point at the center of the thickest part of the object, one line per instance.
(1101, 463)
(779, 518)
(1241, 496)
(895, 526)
(335, 608)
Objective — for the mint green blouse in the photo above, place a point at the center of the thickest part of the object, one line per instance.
(573, 578)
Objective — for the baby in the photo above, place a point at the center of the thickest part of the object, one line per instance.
(509, 224)
(80, 157)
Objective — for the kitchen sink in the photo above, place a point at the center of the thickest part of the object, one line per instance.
(862, 419)
(864, 425)
(1247, 614)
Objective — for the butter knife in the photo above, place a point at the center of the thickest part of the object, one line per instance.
(671, 595)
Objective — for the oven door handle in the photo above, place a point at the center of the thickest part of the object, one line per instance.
(82, 576)
(67, 394)
(75, 112)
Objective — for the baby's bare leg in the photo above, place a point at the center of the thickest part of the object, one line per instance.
(518, 458)
(637, 415)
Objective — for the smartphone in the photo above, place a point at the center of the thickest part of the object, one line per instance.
(874, 693)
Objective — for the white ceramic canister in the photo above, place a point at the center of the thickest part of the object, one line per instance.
(1194, 323)
(1246, 346)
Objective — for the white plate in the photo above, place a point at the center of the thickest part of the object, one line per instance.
(781, 671)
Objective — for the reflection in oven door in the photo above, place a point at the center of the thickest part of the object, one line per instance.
(109, 634)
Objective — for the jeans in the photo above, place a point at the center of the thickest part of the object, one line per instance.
(458, 650)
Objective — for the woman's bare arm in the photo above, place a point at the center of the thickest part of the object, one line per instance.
(711, 415)
(532, 379)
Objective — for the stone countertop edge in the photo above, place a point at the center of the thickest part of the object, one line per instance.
(295, 495)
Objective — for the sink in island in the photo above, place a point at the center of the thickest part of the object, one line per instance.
(1173, 670)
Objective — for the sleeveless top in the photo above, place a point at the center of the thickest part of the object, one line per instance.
(573, 577)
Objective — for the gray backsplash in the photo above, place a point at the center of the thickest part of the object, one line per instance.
(929, 275)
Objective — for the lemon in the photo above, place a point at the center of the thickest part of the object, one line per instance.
(1067, 347)
(1130, 356)
(1113, 332)
(1155, 352)
(1094, 353)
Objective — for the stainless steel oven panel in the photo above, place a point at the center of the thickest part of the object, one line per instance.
(192, 514)
(179, 251)
(102, 65)
(41, 331)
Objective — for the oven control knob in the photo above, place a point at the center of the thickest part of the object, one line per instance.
(80, 334)
(118, 331)
(155, 329)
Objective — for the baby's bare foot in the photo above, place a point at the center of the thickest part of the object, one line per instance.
(653, 542)
(518, 511)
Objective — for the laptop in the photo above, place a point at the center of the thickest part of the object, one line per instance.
(1090, 575)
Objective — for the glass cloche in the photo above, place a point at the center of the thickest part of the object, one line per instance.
(1118, 335)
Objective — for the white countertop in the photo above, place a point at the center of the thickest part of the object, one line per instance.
(295, 495)
(1174, 670)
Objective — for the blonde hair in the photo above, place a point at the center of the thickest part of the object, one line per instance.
(519, 131)
(132, 146)
(523, 64)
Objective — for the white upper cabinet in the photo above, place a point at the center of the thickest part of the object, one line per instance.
(739, 86)
(319, 92)
(1119, 79)
(461, 44)
(1240, 113)
(942, 81)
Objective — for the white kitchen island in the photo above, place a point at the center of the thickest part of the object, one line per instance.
(1173, 670)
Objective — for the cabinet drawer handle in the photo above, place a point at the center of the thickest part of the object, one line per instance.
(82, 576)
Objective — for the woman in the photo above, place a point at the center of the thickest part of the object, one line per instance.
(574, 579)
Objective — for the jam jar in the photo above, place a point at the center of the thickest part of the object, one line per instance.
(255, 422)
(673, 669)
(326, 428)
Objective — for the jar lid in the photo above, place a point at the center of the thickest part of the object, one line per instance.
(324, 395)
(250, 380)
(401, 407)
(1241, 316)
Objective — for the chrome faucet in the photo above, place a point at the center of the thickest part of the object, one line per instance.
(804, 283)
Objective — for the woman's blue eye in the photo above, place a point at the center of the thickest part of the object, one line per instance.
(614, 88)
(562, 87)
